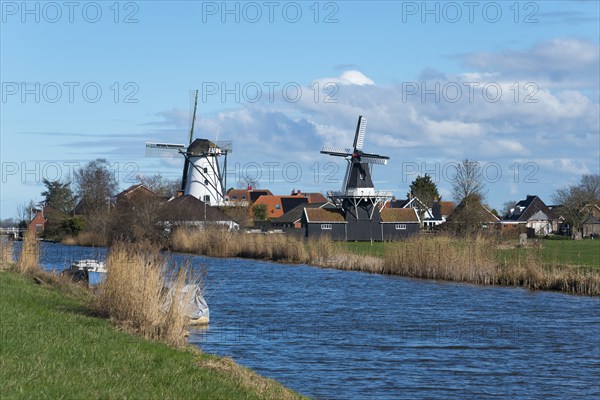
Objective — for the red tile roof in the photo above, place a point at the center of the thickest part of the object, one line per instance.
(446, 207)
(238, 195)
(278, 205)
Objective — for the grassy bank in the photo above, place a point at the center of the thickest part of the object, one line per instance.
(53, 346)
(478, 260)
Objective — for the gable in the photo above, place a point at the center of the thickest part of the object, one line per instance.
(539, 216)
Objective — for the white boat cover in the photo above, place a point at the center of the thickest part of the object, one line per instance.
(196, 307)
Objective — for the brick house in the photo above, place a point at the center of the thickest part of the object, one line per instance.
(37, 223)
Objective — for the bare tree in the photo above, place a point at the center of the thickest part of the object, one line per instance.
(25, 212)
(246, 181)
(95, 184)
(575, 198)
(506, 207)
(468, 181)
(160, 185)
(468, 190)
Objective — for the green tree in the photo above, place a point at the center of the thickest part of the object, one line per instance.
(425, 190)
(260, 212)
(59, 196)
(72, 225)
(59, 202)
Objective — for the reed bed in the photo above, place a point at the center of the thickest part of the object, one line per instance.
(30, 254)
(135, 295)
(6, 253)
(476, 260)
(443, 258)
(324, 252)
(88, 238)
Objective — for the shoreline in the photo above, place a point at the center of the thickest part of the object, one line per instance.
(464, 261)
(83, 354)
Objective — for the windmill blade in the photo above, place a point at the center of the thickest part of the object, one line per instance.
(359, 137)
(225, 146)
(163, 149)
(371, 155)
(374, 160)
(336, 151)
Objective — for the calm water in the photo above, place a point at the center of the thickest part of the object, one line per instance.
(345, 335)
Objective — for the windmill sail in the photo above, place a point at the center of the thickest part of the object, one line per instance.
(358, 179)
(359, 137)
(154, 149)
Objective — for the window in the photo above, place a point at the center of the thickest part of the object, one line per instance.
(207, 199)
(401, 226)
(205, 170)
(243, 197)
(233, 197)
(277, 206)
(206, 181)
(326, 226)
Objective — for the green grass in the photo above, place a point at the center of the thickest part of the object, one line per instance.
(365, 248)
(52, 346)
(571, 252)
(553, 252)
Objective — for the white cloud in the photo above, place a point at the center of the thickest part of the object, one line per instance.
(559, 131)
(351, 77)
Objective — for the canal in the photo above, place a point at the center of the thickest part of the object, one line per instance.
(334, 334)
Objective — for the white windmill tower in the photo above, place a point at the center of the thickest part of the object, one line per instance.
(204, 177)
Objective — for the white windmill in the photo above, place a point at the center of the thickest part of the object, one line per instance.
(204, 177)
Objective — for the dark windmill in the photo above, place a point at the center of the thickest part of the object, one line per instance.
(358, 200)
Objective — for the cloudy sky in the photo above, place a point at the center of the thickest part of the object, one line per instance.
(513, 85)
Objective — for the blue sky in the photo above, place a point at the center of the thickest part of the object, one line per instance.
(514, 85)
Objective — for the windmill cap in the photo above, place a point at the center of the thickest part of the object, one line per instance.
(201, 146)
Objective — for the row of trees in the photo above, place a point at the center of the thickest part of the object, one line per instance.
(469, 190)
(94, 184)
(84, 202)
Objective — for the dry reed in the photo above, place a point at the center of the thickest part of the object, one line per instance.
(6, 253)
(30, 254)
(89, 238)
(473, 260)
(135, 293)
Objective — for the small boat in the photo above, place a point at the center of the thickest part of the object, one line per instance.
(91, 271)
